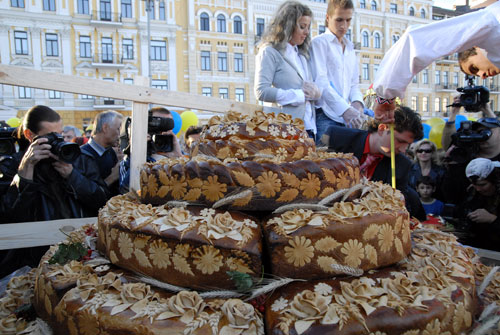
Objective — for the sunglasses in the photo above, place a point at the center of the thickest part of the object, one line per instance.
(427, 151)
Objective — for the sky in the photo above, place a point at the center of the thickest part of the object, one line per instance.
(444, 3)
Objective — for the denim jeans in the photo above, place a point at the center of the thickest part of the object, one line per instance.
(323, 122)
(311, 134)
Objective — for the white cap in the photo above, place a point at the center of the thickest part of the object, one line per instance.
(474, 4)
(480, 167)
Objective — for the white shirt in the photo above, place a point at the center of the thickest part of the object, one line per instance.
(419, 47)
(296, 97)
(336, 67)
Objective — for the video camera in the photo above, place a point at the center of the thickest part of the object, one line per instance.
(156, 126)
(65, 151)
(7, 141)
(472, 97)
(467, 140)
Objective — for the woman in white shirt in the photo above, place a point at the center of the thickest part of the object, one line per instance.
(283, 73)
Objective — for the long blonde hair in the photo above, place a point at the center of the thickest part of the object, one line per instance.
(283, 24)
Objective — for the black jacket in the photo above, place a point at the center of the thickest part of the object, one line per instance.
(353, 141)
(50, 197)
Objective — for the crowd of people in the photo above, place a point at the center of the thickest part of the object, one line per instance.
(315, 80)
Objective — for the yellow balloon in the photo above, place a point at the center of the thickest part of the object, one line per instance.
(434, 121)
(189, 118)
(436, 134)
(471, 118)
(14, 122)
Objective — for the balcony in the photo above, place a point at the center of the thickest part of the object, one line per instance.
(450, 59)
(446, 87)
(107, 18)
(107, 60)
(108, 103)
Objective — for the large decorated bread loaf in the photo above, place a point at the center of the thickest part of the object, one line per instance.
(190, 247)
(250, 137)
(432, 292)
(367, 233)
(248, 185)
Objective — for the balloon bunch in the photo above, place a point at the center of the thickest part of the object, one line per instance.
(183, 121)
(433, 128)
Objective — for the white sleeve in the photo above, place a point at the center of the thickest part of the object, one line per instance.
(419, 47)
(329, 96)
(294, 97)
(355, 93)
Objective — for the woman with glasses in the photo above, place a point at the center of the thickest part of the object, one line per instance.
(426, 163)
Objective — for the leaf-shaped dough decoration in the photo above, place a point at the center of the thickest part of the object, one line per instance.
(291, 179)
(243, 201)
(193, 194)
(299, 153)
(244, 179)
(288, 195)
(330, 176)
(326, 192)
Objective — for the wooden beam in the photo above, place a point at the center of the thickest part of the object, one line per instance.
(20, 76)
(34, 234)
(138, 143)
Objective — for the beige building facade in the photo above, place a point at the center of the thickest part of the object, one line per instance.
(205, 47)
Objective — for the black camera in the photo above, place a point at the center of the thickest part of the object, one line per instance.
(156, 126)
(7, 141)
(65, 151)
(467, 140)
(472, 97)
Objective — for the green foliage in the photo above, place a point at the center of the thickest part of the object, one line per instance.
(243, 281)
(68, 252)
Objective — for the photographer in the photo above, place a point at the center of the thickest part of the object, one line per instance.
(414, 51)
(162, 142)
(479, 214)
(52, 182)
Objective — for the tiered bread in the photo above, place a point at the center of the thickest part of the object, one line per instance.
(285, 169)
(190, 247)
(432, 292)
(259, 135)
(370, 232)
(80, 299)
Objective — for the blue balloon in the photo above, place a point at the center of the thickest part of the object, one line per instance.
(177, 122)
(459, 120)
(427, 130)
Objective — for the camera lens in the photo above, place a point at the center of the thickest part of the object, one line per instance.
(67, 152)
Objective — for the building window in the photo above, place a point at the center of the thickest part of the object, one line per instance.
(238, 62)
(395, 38)
(238, 28)
(377, 40)
(362, 3)
(438, 77)
(86, 97)
(425, 104)
(107, 49)
(54, 94)
(128, 81)
(128, 48)
(221, 23)
(414, 103)
(375, 69)
(348, 35)
(374, 5)
(412, 11)
(366, 71)
(151, 10)
(24, 92)
(394, 8)
(85, 47)
(455, 78)
(17, 3)
(260, 27)
(321, 29)
(425, 76)
(49, 5)
(204, 22)
(158, 50)
(222, 61)
(82, 7)
(445, 104)
(163, 14)
(51, 45)
(205, 61)
(415, 79)
(162, 84)
(127, 8)
(437, 105)
(105, 10)
(239, 94)
(206, 91)
(445, 78)
(21, 41)
(422, 13)
(224, 93)
(366, 39)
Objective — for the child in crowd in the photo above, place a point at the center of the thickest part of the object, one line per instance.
(425, 188)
